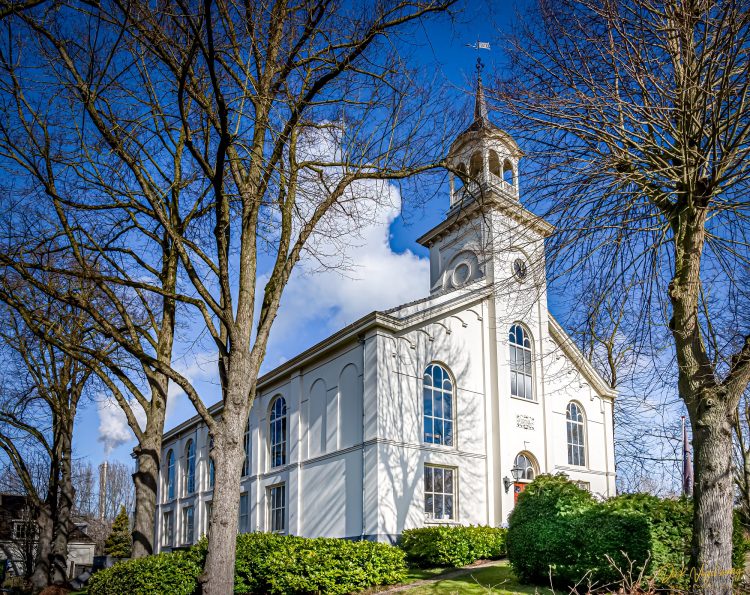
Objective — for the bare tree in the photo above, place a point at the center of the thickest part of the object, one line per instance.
(281, 112)
(39, 417)
(742, 457)
(647, 441)
(635, 113)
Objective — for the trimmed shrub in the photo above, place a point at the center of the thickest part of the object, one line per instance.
(266, 563)
(558, 527)
(541, 528)
(164, 574)
(453, 545)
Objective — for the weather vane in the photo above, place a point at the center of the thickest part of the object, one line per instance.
(479, 45)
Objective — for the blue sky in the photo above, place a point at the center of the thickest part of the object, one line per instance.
(392, 267)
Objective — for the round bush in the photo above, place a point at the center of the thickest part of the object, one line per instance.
(453, 545)
(268, 563)
(542, 527)
(162, 574)
(558, 531)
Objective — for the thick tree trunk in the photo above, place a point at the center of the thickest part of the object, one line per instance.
(218, 576)
(148, 452)
(146, 478)
(46, 527)
(713, 500)
(63, 520)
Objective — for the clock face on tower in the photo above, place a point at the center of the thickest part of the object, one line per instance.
(520, 270)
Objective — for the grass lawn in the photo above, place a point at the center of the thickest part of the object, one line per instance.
(498, 580)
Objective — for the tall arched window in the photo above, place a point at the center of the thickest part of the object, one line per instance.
(211, 473)
(495, 164)
(277, 432)
(508, 172)
(475, 165)
(190, 467)
(438, 406)
(246, 443)
(576, 435)
(526, 464)
(170, 474)
(521, 378)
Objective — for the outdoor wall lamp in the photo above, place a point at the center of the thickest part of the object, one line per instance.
(516, 472)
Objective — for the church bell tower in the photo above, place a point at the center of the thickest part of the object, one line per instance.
(487, 235)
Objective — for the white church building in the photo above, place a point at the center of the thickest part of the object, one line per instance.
(434, 412)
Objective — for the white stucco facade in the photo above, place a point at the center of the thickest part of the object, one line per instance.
(357, 449)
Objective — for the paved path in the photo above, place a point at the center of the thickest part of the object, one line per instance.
(441, 577)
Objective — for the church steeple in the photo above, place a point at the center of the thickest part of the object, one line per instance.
(483, 159)
(480, 104)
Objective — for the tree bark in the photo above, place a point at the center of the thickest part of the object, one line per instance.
(66, 496)
(146, 479)
(227, 453)
(713, 500)
(42, 562)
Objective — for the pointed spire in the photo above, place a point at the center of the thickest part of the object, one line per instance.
(480, 105)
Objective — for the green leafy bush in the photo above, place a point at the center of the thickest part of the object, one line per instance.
(453, 545)
(558, 527)
(541, 528)
(266, 563)
(163, 574)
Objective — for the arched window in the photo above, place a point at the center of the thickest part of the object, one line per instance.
(460, 176)
(526, 463)
(190, 467)
(495, 164)
(576, 435)
(246, 443)
(211, 473)
(438, 406)
(277, 432)
(475, 165)
(521, 384)
(170, 474)
(508, 172)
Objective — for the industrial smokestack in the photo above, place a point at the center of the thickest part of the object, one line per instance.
(102, 489)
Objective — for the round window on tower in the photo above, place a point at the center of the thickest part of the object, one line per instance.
(520, 270)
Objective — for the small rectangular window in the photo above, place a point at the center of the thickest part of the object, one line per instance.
(244, 513)
(277, 508)
(167, 534)
(23, 530)
(246, 444)
(440, 493)
(188, 526)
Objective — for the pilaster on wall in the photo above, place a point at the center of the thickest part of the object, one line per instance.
(370, 358)
(296, 430)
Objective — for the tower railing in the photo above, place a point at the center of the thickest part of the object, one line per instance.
(474, 189)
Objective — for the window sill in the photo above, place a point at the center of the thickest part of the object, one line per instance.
(441, 522)
(522, 399)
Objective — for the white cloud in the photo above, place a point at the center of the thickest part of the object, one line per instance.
(114, 431)
(321, 297)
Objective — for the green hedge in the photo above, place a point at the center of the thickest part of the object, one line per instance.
(266, 563)
(453, 545)
(168, 574)
(559, 527)
(269, 563)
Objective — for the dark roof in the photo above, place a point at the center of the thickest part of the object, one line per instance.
(14, 507)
